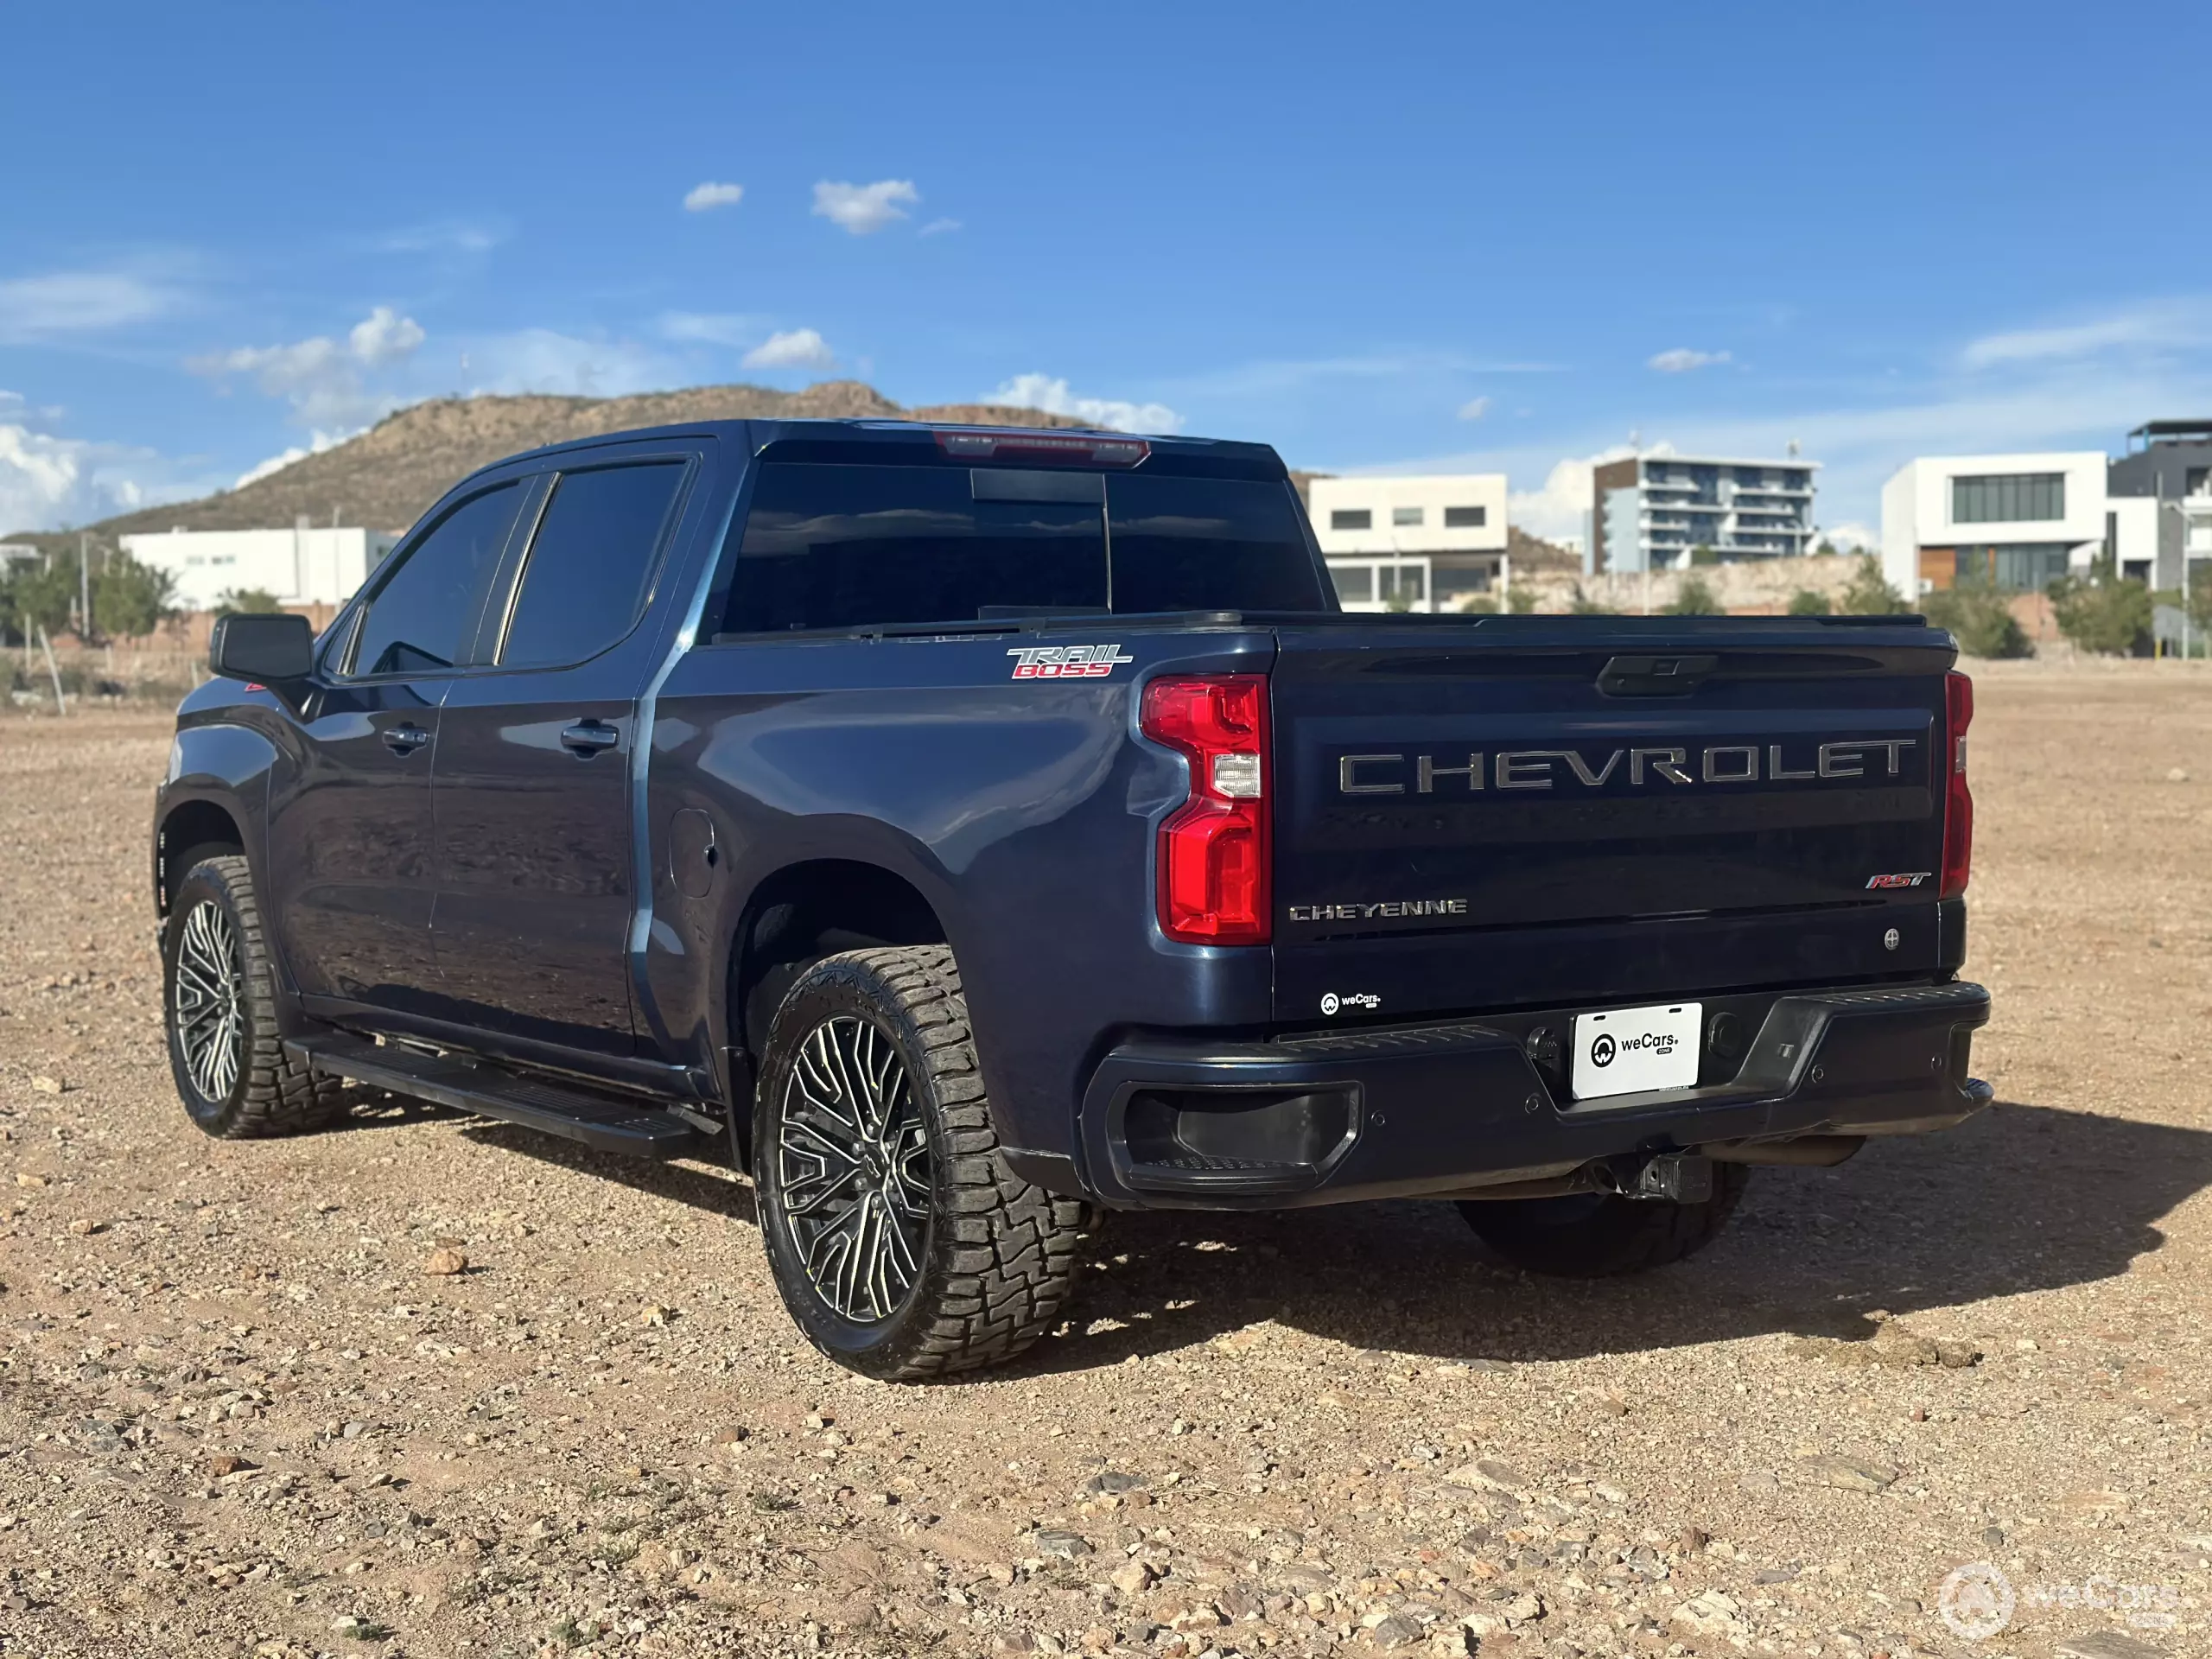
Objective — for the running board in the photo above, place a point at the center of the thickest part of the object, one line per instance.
(604, 1121)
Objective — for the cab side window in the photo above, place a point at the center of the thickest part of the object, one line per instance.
(423, 617)
(591, 563)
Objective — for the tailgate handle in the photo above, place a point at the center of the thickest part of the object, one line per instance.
(1654, 677)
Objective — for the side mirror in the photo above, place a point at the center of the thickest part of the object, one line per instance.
(265, 650)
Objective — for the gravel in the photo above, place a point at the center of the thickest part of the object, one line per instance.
(236, 1407)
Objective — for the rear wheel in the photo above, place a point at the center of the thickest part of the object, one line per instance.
(901, 1241)
(219, 1003)
(1599, 1235)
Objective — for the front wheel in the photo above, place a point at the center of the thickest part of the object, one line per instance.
(218, 1002)
(1599, 1235)
(901, 1241)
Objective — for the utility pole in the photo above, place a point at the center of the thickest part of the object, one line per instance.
(85, 586)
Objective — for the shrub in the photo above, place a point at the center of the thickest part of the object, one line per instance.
(2103, 612)
(1978, 616)
(1870, 593)
(250, 601)
(1806, 603)
(1583, 605)
(1694, 597)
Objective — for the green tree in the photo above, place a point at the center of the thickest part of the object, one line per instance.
(1807, 601)
(1703, 555)
(1694, 597)
(45, 595)
(1870, 593)
(1980, 616)
(2198, 600)
(259, 601)
(2104, 612)
(1521, 600)
(131, 599)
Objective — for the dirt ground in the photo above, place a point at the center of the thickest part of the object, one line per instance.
(237, 1417)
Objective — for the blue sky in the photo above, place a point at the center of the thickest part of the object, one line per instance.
(1379, 237)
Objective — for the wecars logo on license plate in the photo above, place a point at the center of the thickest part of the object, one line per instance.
(1631, 1050)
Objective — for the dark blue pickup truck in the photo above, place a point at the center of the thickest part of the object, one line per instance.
(976, 830)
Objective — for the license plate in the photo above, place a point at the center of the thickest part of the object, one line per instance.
(1630, 1051)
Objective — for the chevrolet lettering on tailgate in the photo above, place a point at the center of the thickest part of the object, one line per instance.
(1639, 768)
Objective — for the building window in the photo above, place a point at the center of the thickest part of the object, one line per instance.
(1405, 584)
(2008, 498)
(1405, 515)
(1350, 518)
(2197, 481)
(1355, 582)
(1465, 517)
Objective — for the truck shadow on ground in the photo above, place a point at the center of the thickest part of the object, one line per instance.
(2022, 1199)
(696, 1182)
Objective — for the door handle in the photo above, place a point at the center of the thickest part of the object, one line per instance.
(403, 739)
(588, 737)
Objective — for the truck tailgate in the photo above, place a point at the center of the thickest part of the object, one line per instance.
(1544, 812)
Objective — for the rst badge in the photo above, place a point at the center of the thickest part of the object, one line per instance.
(1902, 879)
(1066, 662)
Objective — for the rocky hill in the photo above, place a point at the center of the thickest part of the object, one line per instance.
(386, 477)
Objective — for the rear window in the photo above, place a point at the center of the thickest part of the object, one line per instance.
(837, 546)
(1208, 544)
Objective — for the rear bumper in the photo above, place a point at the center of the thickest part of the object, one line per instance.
(1453, 1108)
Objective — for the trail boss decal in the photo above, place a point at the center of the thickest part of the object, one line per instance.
(1066, 662)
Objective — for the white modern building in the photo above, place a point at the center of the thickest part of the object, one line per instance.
(1654, 512)
(305, 565)
(2017, 521)
(1427, 544)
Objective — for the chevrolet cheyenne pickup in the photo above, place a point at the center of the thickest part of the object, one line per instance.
(974, 831)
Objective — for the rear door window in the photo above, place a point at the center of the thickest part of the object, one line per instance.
(837, 546)
(426, 612)
(1208, 545)
(591, 563)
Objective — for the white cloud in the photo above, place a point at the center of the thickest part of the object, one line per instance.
(385, 337)
(441, 236)
(1558, 507)
(1052, 395)
(2167, 324)
(315, 445)
(793, 348)
(548, 361)
(322, 378)
(938, 227)
(864, 209)
(730, 328)
(1683, 360)
(77, 302)
(1474, 408)
(705, 198)
(47, 481)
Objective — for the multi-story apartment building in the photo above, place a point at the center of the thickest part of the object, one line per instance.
(1652, 512)
(1426, 543)
(2167, 471)
(2020, 521)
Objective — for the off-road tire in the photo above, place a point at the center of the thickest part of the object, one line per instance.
(1601, 1236)
(998, 1258)
(272, 1093)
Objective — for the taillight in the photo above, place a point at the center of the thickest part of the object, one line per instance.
(1213, 855)
(1958, 799)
